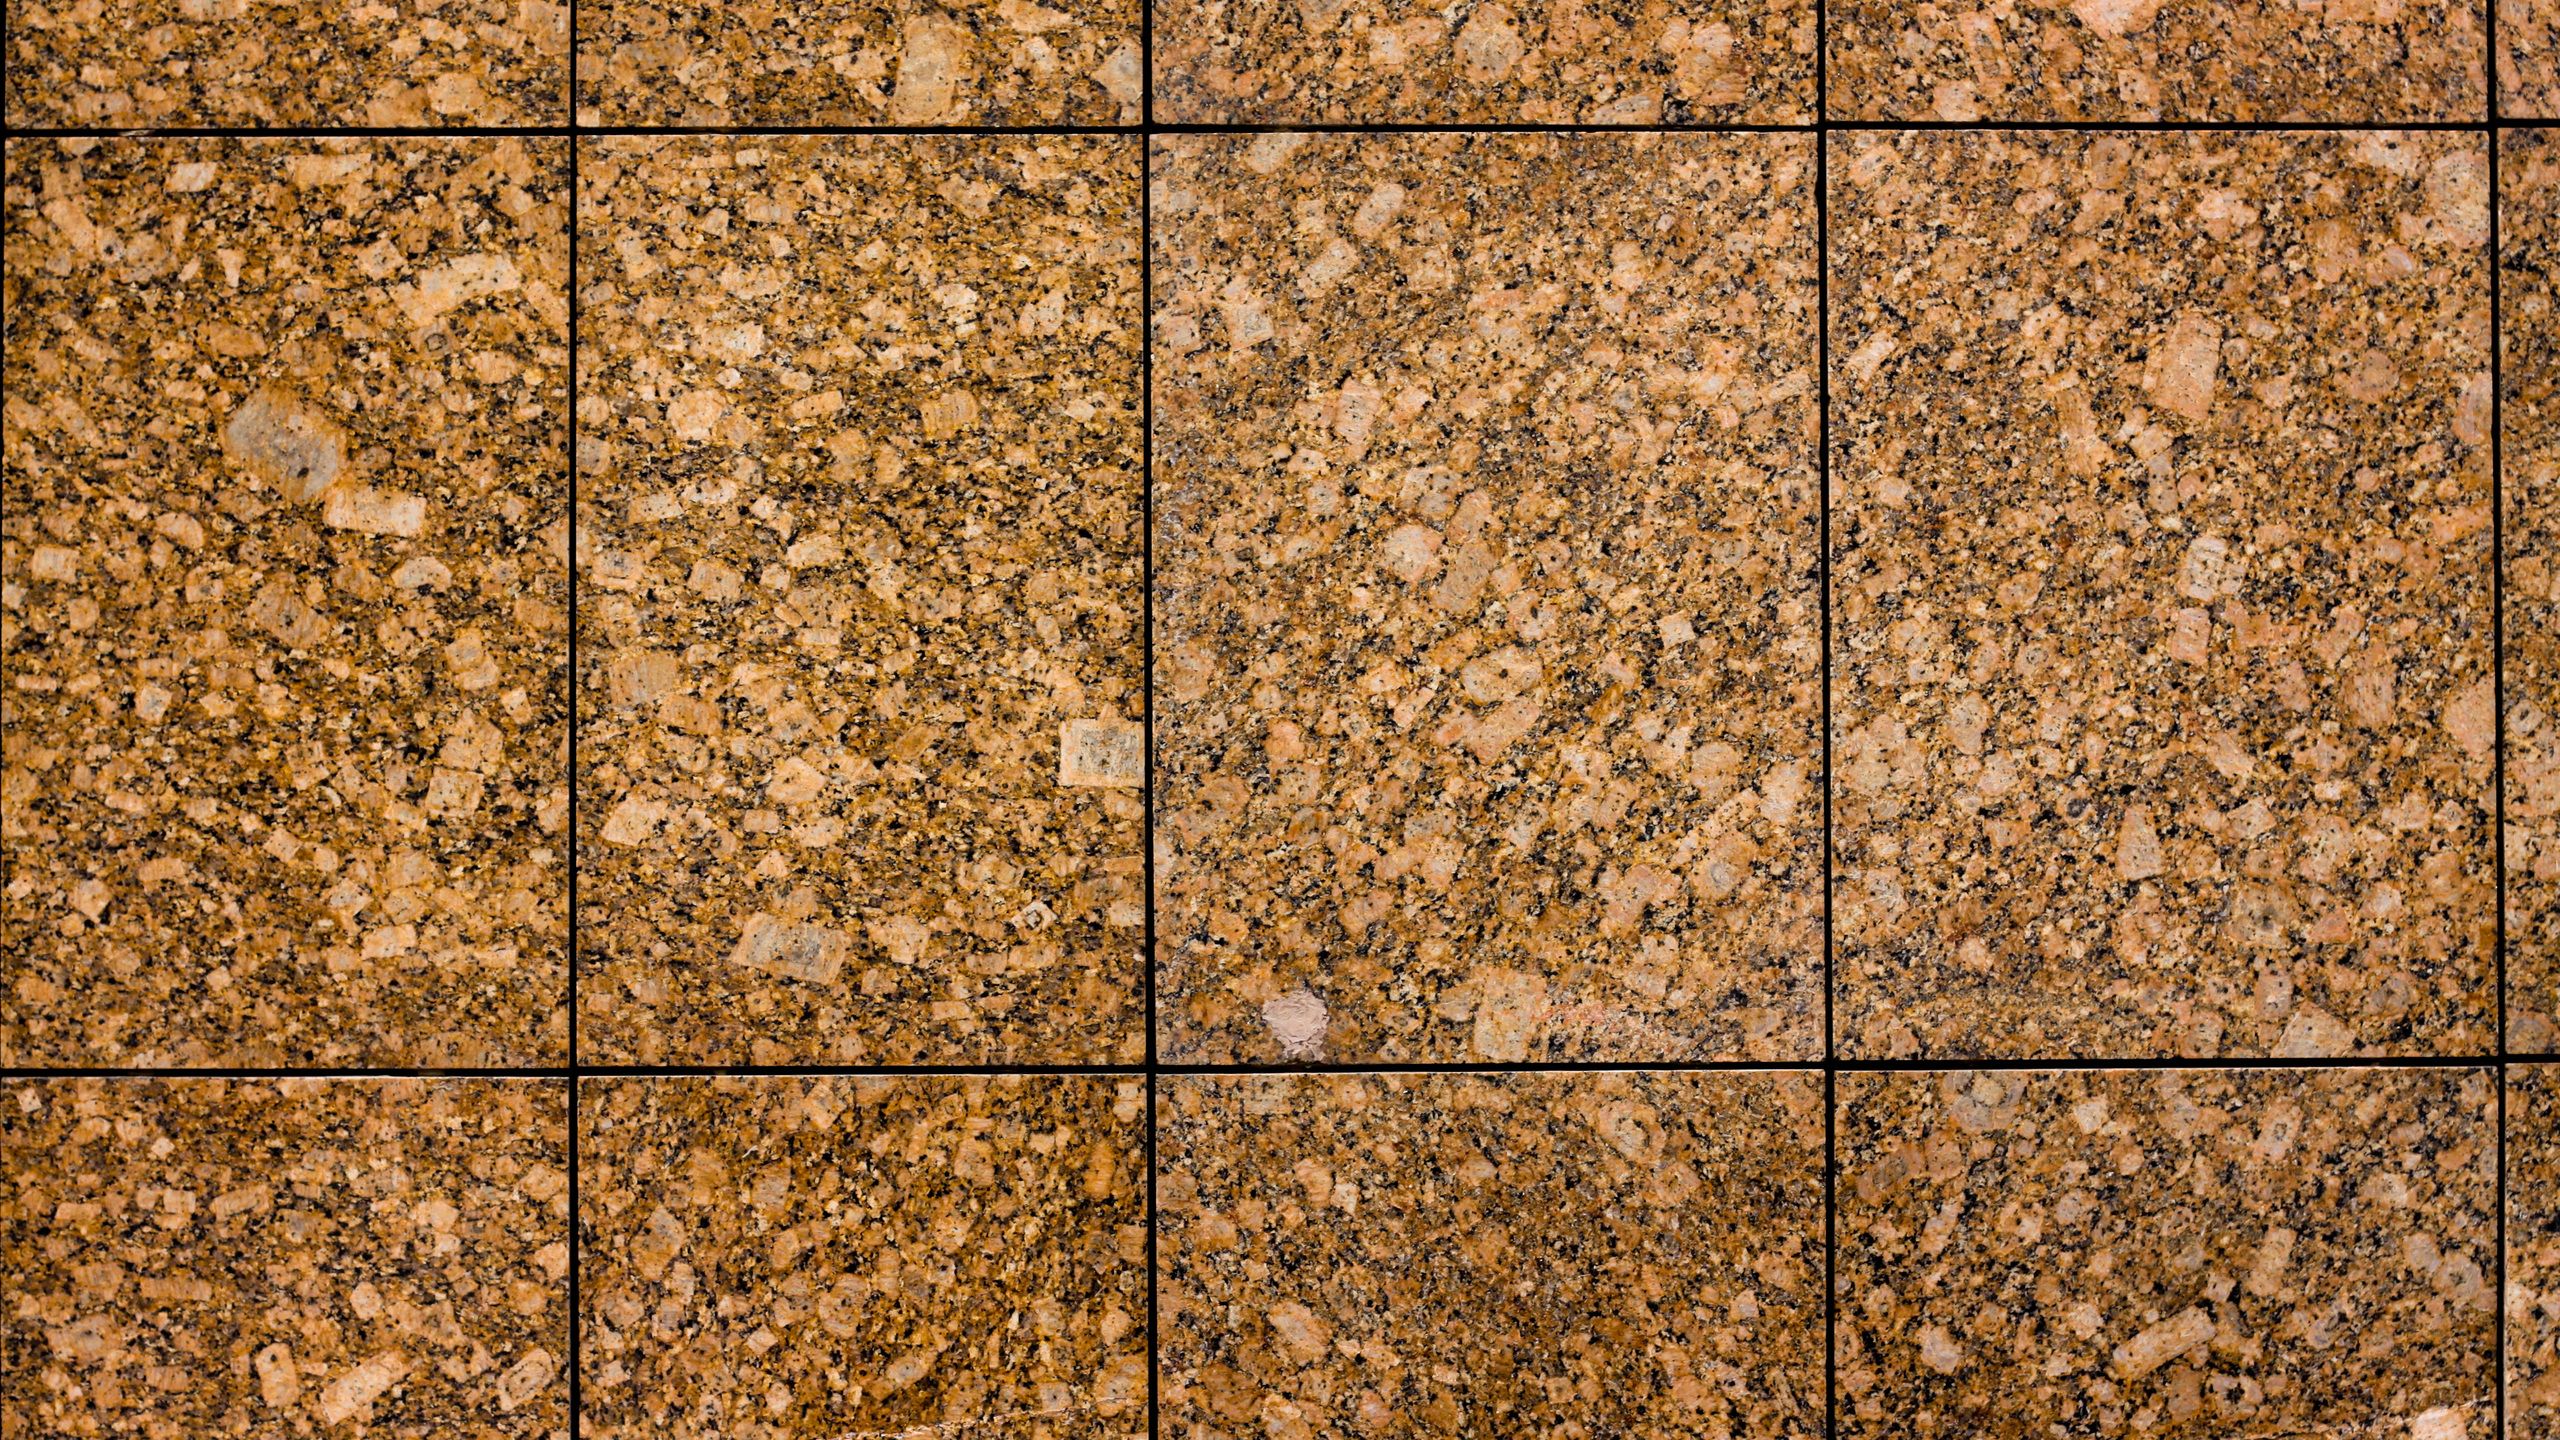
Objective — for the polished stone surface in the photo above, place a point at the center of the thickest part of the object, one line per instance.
(2162, 704)
(859, 690)
(283, 600)
(1486, 642)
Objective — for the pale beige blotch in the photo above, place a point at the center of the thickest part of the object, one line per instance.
(1107, 753)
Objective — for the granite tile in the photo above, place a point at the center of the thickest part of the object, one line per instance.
(1485, 614)
(1593, 1254)
(1544, 62)
(283, 587)
(420, 63)
(859, 62)
(784, 1258)
(2533, 1251)
(2362, 62)
(2528, 59)
(860, 665)
(190, 1258)
(2529, 241)
(2170, 1253)
(2161, 567)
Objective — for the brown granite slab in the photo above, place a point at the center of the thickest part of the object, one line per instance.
(859, 62)
(1369, 62)
(779, 1258)
(2528, 59)
(2529, 252)
(2361, 62)
(1485, 616)
(193, 1258)
(1620, 1254)
(860, 554)
(283, 596)
(2172, 1253)
(412, 63)
(2161, 566)
(2533, 1251)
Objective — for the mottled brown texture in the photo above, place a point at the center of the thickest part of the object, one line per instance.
(859, 62)
(1545, 62)
(1613, 1254)
(860, 598)
(199, 1258)
(2161, 566)
(2356, 62)
(1486, 641)
(2172, 1254)
(2528, 59)
(777, 1258)
(2533, 1252)
(283, 596)
(260, 63)
(2529, 257)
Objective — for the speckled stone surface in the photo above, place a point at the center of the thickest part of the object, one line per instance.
(2179, 1253)
(1486, 643)
(199, 1258)
(2529, 246)
(2161, 559)
(860, 650)
(1544, 62)
(778, 1258)
(442, 64)
(283, 596)
(1598, 1254)
(2360, 62)
(859, 62)
(2533, 1251)
(2529, 59)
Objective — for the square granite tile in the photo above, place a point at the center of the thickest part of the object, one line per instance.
(421, 63)
(2161, 577)
(283, 596)
(1623, 1254)
(2533, 1251)
(192, 1258)
(1546, 62)
(1486, 634)
(860, 667)
(784, 1258)
(2361, 62)
(859, 62)
(2188, 1253)
(2529, 245)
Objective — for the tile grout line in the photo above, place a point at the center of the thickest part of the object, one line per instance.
(1147, 667)
(2498, 724)
(577, 1219)
(1152, 130)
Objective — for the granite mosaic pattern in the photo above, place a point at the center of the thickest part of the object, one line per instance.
(283, 599)
(440, 64)
(859, 62)
(2528, 258)
(2174, 1252)
(1591, 1254)
(1487, 656)
(2362, 62)
(2163, 704)
(1546, 62)
(860, 674)
(191, 1258)
(884, 1256)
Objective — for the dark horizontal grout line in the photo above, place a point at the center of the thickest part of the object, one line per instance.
(1804, 127)
(2198, 127)
(1133, 1071)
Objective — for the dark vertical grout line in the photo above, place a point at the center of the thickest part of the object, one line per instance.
(577, 1329)
(2498, 720)
(1147, 651)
